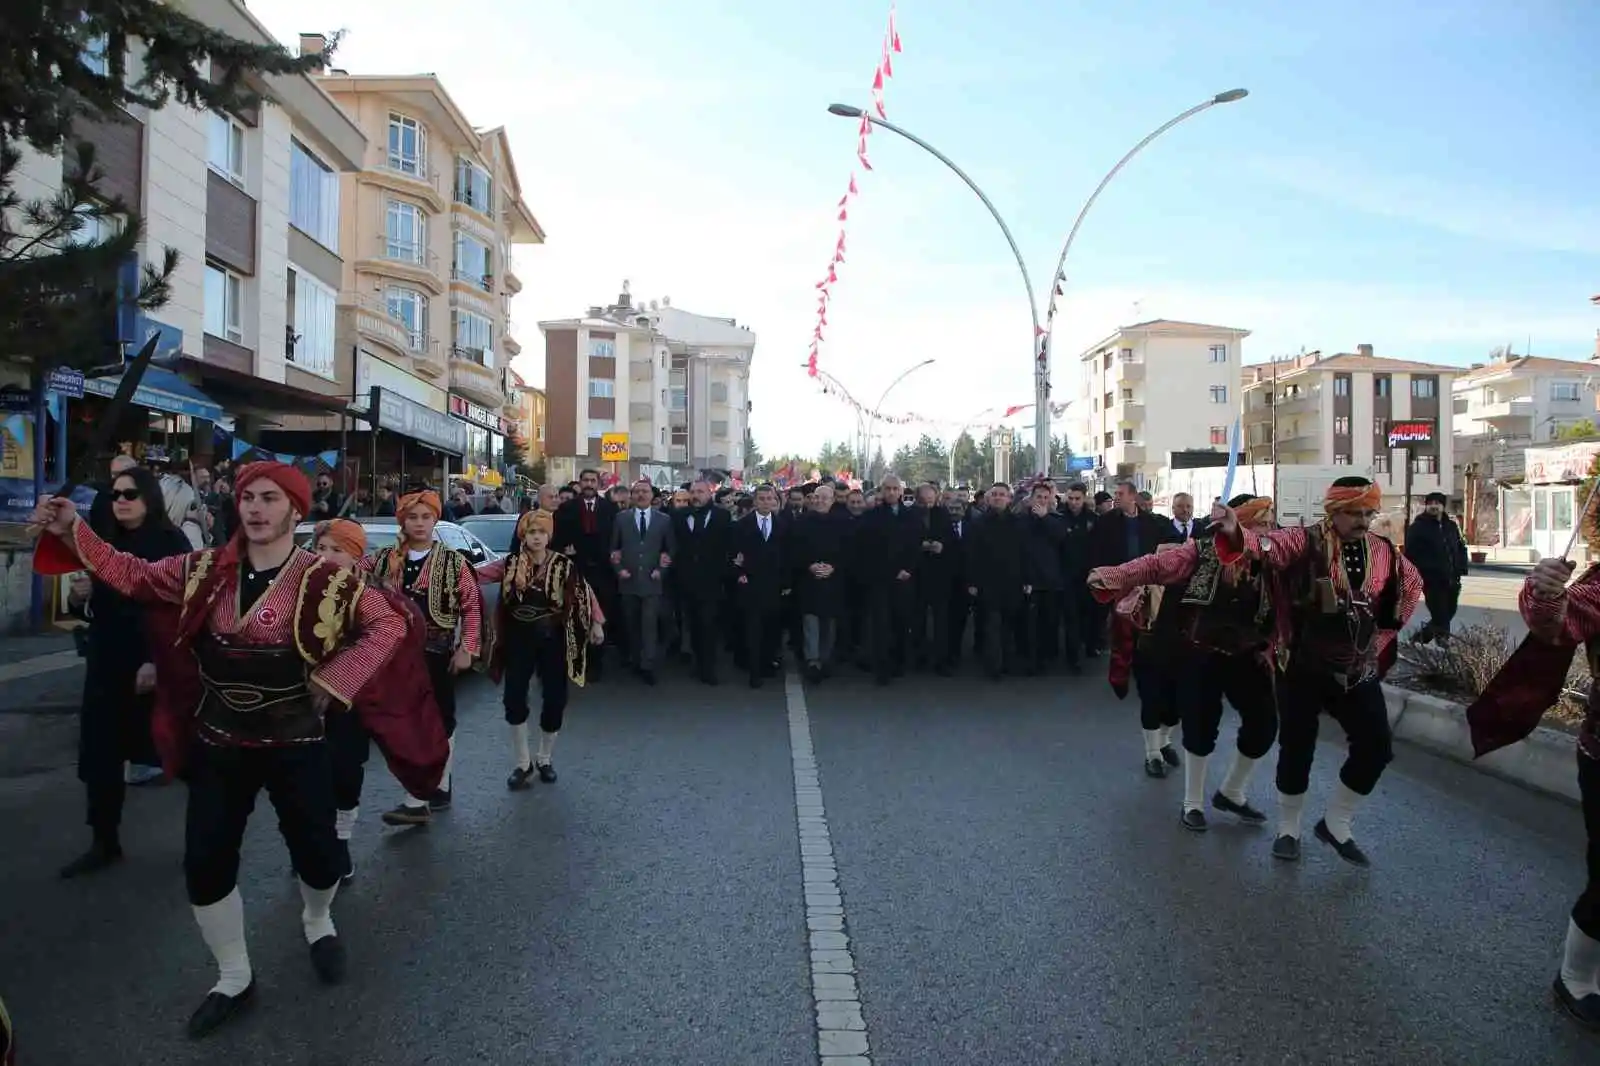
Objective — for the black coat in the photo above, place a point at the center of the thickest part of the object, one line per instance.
(701, 565)
(820, 538)
(1436, 549)
(956, 553)
(760, 561)
(1076, 530)
(994, 561)
(1108, 544)
(935, 569)
(887, 543)
(593, 549)
(1043, 540)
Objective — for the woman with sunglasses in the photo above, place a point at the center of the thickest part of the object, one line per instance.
(119, 684)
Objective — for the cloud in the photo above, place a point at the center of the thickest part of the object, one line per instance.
(1482, 213)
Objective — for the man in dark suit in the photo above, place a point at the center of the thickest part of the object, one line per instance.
(1185, 525)
(583, 531)
(934, 580)
(995, 579)
(642, 546)
(961, 606)
(888, 552)
(702, 532)
(760, 582)
(1126, 532)
(1078, 607)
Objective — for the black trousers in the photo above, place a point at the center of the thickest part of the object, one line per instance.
(1044, 627)
(999, 635)
(1097, 620)
(1304, 695)
(960, 610)
(540, 653)
(349, 747)
(1246, 682)
(1586, 912)
(223, 785)
(889, 610)
(444, 687)
(1159, 685)
(762, 625)
(930, 623)
(702, 619)
(1075, 603)
(1442, 598)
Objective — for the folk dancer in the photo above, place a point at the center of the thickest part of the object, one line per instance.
(267, 638)
(548, 619)
(403, 693)
(442, 583)
(1559, 619)
(1213, 634)
(1344, 595)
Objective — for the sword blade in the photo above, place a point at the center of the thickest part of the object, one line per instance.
(132, 374)
(1233, 461)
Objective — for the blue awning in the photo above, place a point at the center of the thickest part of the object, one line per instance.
(162, 390)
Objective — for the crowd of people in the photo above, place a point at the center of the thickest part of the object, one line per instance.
(272, 666)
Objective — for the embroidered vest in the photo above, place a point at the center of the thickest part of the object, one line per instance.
(441, 600)
(1334, 630)
(1589, 731)
(1215, 615)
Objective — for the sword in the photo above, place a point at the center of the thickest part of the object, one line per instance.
(132, 374)
(1233, 462)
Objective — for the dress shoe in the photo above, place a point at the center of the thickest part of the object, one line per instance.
(521, 778)
(1194, 821)
(1154, 767)
(1348, 850)
(405, 815)
(1585, 1010)
(1243, 811)
(216, 1009)
(1286, 848)
(328, 959)
(547, 773)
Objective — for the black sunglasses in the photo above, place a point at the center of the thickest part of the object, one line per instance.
(125, 494)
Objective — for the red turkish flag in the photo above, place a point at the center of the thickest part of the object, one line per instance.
(844, 199)
(844, 214)
(823, 285)
(866, 127)
(894, 34)
(853, 192)
(877, 102)
(832, 277)
(877, 80)
(822, 319)
(888, 65)
(861, 155)
(1013, 410)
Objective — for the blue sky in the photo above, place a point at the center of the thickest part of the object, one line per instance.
(1421, 180)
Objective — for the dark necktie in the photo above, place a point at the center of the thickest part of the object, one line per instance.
(641, 525)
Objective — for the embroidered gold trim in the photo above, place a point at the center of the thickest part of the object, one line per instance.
(199, 567)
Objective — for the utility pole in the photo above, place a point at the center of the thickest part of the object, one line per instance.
(1273, 396)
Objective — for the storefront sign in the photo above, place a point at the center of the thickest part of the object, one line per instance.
(66, 382)
(1570, 462)
(613, 447)
(372, 372)
(1407, 432)
(482, 417)
(410, 419)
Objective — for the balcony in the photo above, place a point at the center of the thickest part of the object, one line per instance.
(678, 453)
(407, 177)
(642, 371)
(472, 379)
(481, 282)
(1504, 410)
(374, 323)
(641, 412)
(509, 342)
(404, 259)
(1126, 451)
(1130, 413)
(1303, 402)
(1126, 370)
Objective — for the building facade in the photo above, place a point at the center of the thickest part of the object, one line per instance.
(1154, 388)
(674, 383)
(1502, 407)
(1336, 410)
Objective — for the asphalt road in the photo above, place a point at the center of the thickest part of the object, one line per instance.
(1016, 891)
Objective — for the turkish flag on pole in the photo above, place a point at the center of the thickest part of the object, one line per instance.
(894, 34)
(877, 80)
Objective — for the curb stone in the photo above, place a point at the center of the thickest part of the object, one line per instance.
(1544, 762)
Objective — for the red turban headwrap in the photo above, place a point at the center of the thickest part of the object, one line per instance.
(1352, 498)
(349, 537)
(291, 481)
(1253, 511)
(426, 498)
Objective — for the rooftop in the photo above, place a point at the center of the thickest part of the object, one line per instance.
(1167, 326)
(1343, 361)
(1526, 364)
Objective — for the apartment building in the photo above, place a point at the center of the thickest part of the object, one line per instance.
(1154, 388)
(429, 221)
(677, 384)
(1336, 410)
(1512, 402)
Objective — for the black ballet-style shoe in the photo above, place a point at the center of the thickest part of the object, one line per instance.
(1154, 767)
(1286, 848)
(405, 814)
(547, 773)
(216, 1009)
(1585, 1010)
(1194, 821)
(521, 778)
(1349, 850)
(440, 800)
(1170, 754)
(1243, 811)
(328, 959)
(101, 854)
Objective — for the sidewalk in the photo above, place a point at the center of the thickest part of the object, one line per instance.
(40, 675)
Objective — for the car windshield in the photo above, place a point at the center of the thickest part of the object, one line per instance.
(494, 532)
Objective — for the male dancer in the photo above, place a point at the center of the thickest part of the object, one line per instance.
(1212, 635)
(441, 582)
(279, 636)
(1343, 597)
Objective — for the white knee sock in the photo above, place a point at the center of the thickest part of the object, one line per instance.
(1152, 743)
(413, 802)
(316, 917)
(449, 765)
(344, 822)
(222, 927)
(1580, 962)
(1238, 778)
(519, 745)
(1194, 782)
(1341, 809)
(1289, 810)
(1166, 734)
(547, 743)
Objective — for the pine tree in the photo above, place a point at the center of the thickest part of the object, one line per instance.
(59, 265)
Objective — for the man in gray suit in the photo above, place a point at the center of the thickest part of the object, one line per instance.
(642, 544)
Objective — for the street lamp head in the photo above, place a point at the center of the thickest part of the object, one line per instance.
(844, 111)
(1230, 96)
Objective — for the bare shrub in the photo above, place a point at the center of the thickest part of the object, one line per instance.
(1462, 666)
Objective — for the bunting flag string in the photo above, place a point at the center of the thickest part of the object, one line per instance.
(831, 386)
(880, 76)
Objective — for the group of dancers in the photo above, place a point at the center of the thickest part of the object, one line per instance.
(279, 665)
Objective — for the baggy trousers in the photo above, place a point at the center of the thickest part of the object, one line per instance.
(1245, 681)
(1304, 695)
(1586, 912)
(1159, 685)
(538, 652)
(349, 747)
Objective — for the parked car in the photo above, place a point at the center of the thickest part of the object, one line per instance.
(495, 530)
(385, 531)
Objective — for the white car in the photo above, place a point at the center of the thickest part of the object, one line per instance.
(382, 532)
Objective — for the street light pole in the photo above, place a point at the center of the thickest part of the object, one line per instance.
(969, 424)
(1041, 385)
(1041, 336)
(877, 408)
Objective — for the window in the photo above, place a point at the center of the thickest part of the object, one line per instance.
(1219, 394)
(98, 226)
(225, 147)
(1424, 464)
(1341, 425)
(474, 336)
(1380, 463)
(1380, 385)
(408, 146)
(406, 233)
(224, 296)
(1563, 390)
(719, 430)
(1127, 395)
(1379, 428)
(1127, 436)
(1219, 436)
(314, 310)
(1126, 355)
(598, 426)
(602, 388)
(474, 187)
(1108, 361)
(1341, 460)
(411, 308)
(313, 197)
(599, 348)
(719, 392)
(1424, 388)
(96, 54)
(472, 262)
(1219, 353)
(1341, 384)
(678, 399)
(663, 434)
(1110, 400)
(1111, 438)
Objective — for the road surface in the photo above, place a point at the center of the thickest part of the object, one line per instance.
(1014, 891)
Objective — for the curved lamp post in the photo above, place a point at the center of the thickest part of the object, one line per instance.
(875, 415)
(1041, 345)
(950, 482)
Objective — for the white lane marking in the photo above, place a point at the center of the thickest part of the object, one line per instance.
(39, 664)
(841, 1029)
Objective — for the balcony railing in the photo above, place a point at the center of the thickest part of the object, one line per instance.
(411, 169)
(640, 412)
(481, 204)
(408, 251)
(482, 281)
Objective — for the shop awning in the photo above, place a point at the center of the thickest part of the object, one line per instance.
(161, 390)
